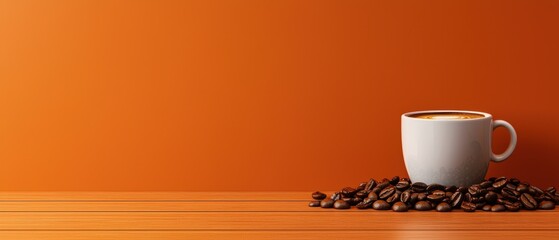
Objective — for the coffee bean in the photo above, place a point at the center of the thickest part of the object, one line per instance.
(517, 205)
(450, 189)
(543, 197)
(546, 205)
(399, 207)
(418, 187)
(434, 187)
(376, 189)
(362, 194)
(448, 194)
(402, 185)
(535, 191)
(510, 186)
(551, 190)
(327, 203)
(421, 196)
(436, 196)
(462, 189)
(405, 197)
(498, 208)
(422, 206)
(349, 191)
(522, 188)
(318, 195)
(361, 186)
(370, 184)
(502, 201)
(486, 207)
(468, 207)
(365, 203)
(474, 200)
(468, 197)
(341, 204)
(439, 193)
(486, 184)
(387, 192)
(315, 203)
(513, 207)
(514, 181)
(444, 207)
(368, 201)
(415, 196)
(480, 205)
(528, 201)
(373, 196)
(510, 194)
(552, 197)
(381, 205)
(361, 205)
(383, 184)
(474, 190)
(394, 198)
(433, 204)
(394, 180)
(491, 197)
(356, 200)
(456, 199)
(336, 196)
(500, 182)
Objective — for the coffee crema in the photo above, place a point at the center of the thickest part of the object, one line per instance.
(447, 115)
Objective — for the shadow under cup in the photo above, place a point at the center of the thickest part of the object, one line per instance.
(450, 147)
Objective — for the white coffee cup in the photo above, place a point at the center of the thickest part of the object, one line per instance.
(451, 151)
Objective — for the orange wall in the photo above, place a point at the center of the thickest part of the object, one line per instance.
(262, 95)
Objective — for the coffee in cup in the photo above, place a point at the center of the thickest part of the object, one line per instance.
(447, 115)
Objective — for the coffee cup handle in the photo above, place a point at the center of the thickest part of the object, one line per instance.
(512, 143)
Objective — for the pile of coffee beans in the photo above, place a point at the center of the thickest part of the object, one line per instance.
(400, 195)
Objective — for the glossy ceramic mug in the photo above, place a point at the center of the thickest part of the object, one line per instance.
(451, 151)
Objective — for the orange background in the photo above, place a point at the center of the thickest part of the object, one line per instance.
(262, 95)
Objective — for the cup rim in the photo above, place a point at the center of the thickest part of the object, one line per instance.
(485, 115)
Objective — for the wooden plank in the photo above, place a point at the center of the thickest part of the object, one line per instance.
(155, 196)
(150, 206)
(264, 235)
(158, 206)
(341, 220)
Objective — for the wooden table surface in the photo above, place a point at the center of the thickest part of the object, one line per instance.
(237, 215)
